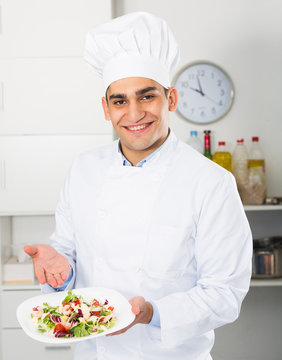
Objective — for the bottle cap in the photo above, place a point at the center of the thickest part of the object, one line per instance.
(240, 141)
(221, 143)
(193, 132)
(255, 138)
(207, 132)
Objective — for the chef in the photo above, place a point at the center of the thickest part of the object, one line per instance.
(147, 215)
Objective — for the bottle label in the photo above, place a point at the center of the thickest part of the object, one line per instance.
(256, 172)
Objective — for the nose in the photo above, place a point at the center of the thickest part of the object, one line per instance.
(135, 112)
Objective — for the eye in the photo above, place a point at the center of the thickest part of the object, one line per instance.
(147, 97)
(119, 102)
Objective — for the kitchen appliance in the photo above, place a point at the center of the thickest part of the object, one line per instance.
(267, 258)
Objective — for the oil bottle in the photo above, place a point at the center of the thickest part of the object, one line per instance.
(222, 157)
(255, 192)
(256, 163)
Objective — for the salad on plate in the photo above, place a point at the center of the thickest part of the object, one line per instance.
(74, 317)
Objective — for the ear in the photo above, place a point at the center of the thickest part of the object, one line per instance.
(106, 108)
(172, 98)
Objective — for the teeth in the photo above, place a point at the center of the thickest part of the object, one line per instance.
(139, 127)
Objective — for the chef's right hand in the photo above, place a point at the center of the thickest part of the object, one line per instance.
(49, 266)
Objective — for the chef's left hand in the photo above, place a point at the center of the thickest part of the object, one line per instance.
(142, 310)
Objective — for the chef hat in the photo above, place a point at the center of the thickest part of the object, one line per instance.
(138, 44)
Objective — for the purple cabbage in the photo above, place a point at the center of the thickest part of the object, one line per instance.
(74, 322)
(79, 314)
(55, 319)
(106, 302)
(59, 334)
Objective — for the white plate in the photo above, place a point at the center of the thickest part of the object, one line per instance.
(122, 310)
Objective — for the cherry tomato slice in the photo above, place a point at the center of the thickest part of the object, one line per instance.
(95, 313)
(59, 327)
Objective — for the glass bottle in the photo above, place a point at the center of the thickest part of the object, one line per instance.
(222, 157)
(207, 151)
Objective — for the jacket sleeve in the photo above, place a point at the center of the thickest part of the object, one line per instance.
(63, 239)
(223, 251)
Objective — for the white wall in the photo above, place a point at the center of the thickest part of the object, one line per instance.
(244, 38)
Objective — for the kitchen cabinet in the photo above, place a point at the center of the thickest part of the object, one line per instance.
(50, 96)
(45, 85)
(256, 335)
(16, 344)
(10, 301)
(34, 168)
(50, 110)
(265, 221)
(32, 28)
(11, 333)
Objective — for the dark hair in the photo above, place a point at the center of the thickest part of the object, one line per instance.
(165, 90)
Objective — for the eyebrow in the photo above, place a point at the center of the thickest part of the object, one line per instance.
(139, 92)
(145, 90)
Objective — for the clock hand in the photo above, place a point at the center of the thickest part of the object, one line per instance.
(200, 91)
(200, 87)
(216, 102)
(197, 90)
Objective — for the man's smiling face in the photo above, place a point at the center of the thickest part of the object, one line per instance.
(139, 111)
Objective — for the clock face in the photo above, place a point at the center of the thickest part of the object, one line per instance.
(205, 92)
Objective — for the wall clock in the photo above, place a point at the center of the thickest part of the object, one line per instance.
(205, 92)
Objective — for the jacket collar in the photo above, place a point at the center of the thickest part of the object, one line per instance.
(163, 151)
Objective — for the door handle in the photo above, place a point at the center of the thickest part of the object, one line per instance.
(58, 347)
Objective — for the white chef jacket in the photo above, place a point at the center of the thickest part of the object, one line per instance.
(173, 231)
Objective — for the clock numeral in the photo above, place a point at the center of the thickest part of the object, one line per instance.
(201, 72)
(219, 82)
(191, 76)
(184, 104)
(202, 113)
(192, 110)
(212, 75)
(222, 92)
(185, 84)
(220, 103)
(213, 110)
